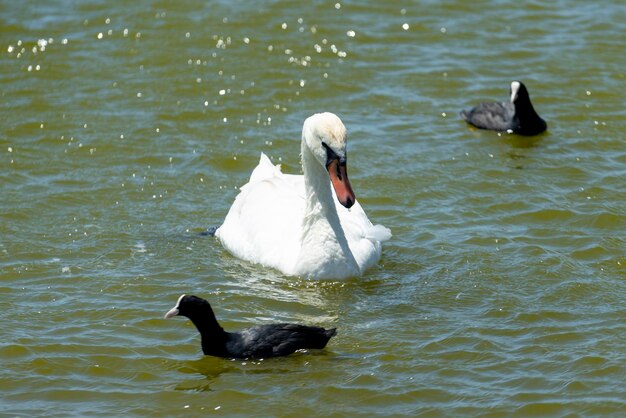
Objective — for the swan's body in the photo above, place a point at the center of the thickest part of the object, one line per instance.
(295, 223)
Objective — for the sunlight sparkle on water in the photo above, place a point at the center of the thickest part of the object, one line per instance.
(41, 43)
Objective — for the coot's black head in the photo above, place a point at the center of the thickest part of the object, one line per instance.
(189, 306)
(528, 122)
(519, 93)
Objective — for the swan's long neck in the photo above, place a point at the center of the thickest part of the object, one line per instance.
(324, 243)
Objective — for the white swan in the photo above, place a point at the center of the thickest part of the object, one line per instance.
(295, 223)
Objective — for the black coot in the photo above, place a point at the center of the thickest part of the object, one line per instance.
(260, 341)
(517, 116)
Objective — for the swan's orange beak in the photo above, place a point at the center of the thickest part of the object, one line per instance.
(339, 179)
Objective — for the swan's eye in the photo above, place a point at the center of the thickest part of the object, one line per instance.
(332, 155)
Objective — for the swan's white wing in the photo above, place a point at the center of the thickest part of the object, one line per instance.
(264, 223)
(364, 238)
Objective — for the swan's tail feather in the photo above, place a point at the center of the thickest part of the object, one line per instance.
(378, 233)
(264, 170)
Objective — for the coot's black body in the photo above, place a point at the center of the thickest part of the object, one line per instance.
(260, 341)
(517, 116)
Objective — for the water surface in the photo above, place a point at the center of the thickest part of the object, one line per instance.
(126, 129)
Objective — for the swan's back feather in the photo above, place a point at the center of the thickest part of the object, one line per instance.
(259, 226)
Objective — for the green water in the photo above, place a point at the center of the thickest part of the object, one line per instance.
(127, 127)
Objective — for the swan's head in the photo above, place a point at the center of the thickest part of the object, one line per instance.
(325, 136)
